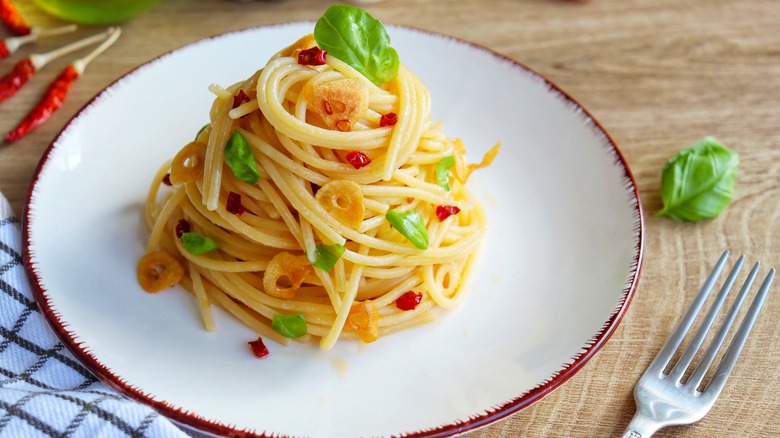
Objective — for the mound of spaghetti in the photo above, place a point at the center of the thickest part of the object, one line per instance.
(321, 200)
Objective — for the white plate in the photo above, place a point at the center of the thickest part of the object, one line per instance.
(559, 268)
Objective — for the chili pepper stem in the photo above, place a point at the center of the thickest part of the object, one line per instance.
(40, 59)
(13, 43)
(81, 63)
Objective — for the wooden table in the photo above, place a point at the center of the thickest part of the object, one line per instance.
(658, 74)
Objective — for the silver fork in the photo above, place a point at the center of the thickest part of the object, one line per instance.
(663, 399)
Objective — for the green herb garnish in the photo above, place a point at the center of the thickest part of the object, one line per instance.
(196, 244)
(355, 37)
(326, 256)
(239, 157)
(443, 171)
(290, 326)
(411, 225)
(200, 131)
(698, 182)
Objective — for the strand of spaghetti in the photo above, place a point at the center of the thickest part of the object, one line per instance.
(226, 265)
(422, 108)
(229, 243)
(401, 131)
(424, 318)
(405, 177)
(388, 298)
(304, 203)
(203, 301)
(262, 303)
(393, 317)
(331, 229)
(154, 189)
(254, 194)
(227, 220)
(286, 215)
(162, 218)
(334, 170)
(375, 286)
(342, 312)
(245, 317)
(309, 247)
(283, 160)
(221, 127)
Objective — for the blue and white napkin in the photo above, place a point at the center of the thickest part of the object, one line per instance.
(44, 390)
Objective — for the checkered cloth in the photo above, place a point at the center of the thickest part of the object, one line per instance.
(44, 390)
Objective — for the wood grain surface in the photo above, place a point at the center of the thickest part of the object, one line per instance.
(658, 74)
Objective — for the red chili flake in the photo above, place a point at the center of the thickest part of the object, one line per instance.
(358, 159)
(409, 300)
(388, 119)
(234, 204)
(16, 78)
(13, 19)
(445, 211)
(313, 56)
(182, 227)
(167, 179)
(4, 52)
(258, 347)
(240, 98)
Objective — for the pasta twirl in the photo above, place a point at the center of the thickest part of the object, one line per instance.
(343, 202)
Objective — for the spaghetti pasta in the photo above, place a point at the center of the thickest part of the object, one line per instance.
(300, 223)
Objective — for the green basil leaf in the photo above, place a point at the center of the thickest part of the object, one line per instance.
(200, 131)
(411, 225)
(352, 35)
(238, 156)
(290, 326)
(326, 256)
(196, 244)
(443, 171)
(698, 182)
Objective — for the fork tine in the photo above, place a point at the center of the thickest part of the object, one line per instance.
(671, 345)
(690, 351)
(735, 348)
(709, 356)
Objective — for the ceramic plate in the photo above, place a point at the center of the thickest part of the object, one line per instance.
(558, 270)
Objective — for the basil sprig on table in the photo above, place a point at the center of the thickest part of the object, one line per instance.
(698, 182)
(196, 244)
(290, 326)
(411, 225)
(239, 157)
(326, 256)
(352, 35)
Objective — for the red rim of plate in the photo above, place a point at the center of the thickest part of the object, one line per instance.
(510, 407)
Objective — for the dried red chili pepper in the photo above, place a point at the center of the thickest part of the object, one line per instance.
(11, 44)
(388, 119)
(313, 56)
(16, 78)
(58, 90)
(240, 98)
(258, 347)
(12, 19)
(445, 211)
(409, 301)
(358, 159)
(51, 101)
(182, 227)
(167, 179)
(233, 204)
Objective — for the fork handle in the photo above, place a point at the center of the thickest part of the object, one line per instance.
(641, 426)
